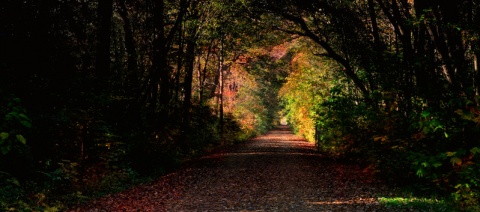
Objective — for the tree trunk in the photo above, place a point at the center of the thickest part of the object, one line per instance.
(132, 62)
(102, 63)
(191, 46)
(203, 74)
(180, 61)
(221, 81)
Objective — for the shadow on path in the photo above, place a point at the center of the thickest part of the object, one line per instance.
(278, 171)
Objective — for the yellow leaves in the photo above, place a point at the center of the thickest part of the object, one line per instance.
(471, 114)
(305, 89)
(459, 112)
(456, 161)
(381, 139)
(476, 120)
(451, 154)
(460, 159)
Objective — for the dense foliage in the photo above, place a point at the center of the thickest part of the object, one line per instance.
(406, 95)
(307, 85)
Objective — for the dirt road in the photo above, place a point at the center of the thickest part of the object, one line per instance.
(274, 172)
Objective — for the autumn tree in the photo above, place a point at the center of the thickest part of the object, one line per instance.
(413, 65)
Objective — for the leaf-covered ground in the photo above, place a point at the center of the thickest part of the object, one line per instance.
(274, 172)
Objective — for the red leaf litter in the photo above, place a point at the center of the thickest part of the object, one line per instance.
(277, 171)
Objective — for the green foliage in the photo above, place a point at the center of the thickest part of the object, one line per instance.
(436, 145)
(257, 103)
(250, 111)
(203, 131)
(10, 191)
(453, 162)
(401, 103)
(306, 87)
(415, 203)
(460, 175)
(14, 125)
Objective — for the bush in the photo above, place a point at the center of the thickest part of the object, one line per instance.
(14, 128)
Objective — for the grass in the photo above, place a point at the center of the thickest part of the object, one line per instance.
(416, 204)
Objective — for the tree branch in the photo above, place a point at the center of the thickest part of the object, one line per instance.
(331, 53)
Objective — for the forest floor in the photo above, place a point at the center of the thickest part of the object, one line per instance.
(277, 171)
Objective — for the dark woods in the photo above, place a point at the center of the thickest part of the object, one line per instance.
(94, 94)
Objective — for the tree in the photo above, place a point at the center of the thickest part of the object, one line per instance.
(105, 12)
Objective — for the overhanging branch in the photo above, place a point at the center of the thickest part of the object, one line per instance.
(331, 53)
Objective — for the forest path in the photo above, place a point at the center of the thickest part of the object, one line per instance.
(277, 171)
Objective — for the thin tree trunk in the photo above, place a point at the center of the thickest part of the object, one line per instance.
(190, 53)
(377, 43)
(375, 30)
(203, 74)
(158, 80)
(180, 57)
(216, 80)
(191, 45)
(220, 67)
(102, 63)
(132, 62)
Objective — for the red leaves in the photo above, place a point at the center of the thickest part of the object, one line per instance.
(276, 171)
